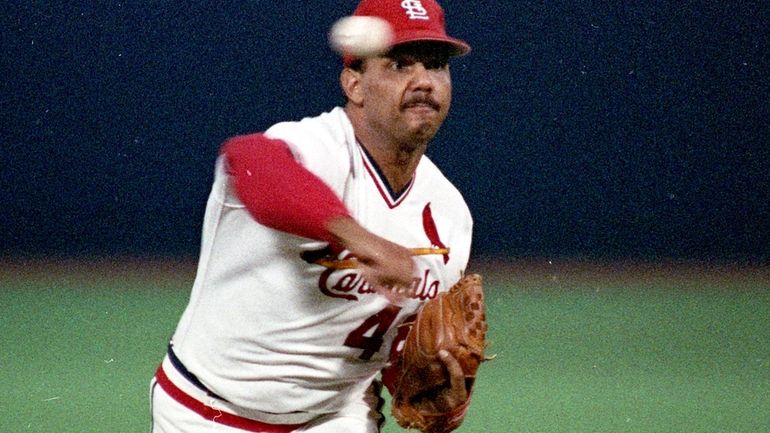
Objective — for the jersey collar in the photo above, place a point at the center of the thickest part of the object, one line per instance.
(392, 198)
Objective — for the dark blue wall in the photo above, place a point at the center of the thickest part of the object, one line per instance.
(578, 128)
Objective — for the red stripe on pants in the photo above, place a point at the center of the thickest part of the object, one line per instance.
(217, 415)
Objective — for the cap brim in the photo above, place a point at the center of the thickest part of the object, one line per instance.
(458, 47)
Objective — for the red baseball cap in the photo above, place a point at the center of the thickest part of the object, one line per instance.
(413, 20)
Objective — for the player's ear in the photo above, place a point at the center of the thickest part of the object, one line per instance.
(350, 81)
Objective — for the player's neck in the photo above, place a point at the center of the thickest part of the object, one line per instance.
(397, 161)
(396, 164)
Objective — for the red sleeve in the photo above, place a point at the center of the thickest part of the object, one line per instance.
(278, 191)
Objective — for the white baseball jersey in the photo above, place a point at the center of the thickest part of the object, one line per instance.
(270, 331)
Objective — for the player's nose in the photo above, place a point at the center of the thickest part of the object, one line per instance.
(422, 77)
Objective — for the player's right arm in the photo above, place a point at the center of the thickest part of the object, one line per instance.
(282, 194)
(383, 263)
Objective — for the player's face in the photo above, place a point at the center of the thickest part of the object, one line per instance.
(408, 92)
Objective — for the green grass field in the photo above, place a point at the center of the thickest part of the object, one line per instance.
(580, 347)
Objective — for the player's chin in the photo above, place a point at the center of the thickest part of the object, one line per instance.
(423, 132)
(424, 121)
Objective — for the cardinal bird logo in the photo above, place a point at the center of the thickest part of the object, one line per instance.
(429, 225)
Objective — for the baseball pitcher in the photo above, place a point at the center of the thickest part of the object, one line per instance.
(322, 240)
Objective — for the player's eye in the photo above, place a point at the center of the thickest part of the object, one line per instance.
(404, 62)
(401, 63)
(436, 63)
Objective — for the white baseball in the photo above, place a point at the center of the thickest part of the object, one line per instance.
(361, 36)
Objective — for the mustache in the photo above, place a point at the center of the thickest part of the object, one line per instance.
(421, 99)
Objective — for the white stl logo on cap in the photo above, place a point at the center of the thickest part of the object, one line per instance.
(414, 10)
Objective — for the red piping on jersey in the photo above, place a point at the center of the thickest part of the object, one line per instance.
(382, 189)
(216, 415)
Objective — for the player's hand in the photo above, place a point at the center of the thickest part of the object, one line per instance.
(456, 393)
(387, 266)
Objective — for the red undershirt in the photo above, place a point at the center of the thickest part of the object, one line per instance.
(279, 192)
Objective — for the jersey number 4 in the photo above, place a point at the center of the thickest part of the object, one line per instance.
(369, 336)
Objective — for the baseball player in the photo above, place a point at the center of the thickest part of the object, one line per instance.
(322, 236)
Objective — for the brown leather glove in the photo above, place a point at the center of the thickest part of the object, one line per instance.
(441, 355)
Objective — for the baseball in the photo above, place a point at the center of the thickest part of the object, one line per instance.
(361, 36)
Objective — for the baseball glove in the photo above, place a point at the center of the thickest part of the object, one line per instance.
(454, 321)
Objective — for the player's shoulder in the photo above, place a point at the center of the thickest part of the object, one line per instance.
(431, 180)
(430, 175)
(322, 144)
(330, 128)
